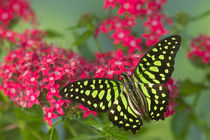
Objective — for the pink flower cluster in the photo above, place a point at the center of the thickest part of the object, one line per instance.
(112, 64)
(150, 14)
(174, 91)
(34, 72)
(200, 48)
(12, 10)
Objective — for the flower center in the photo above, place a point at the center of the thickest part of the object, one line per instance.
(51, 78)
(56, 105)
(49, 115)
(154, 22)
(118, 25)
(32, 98)
(4, 16)
(121, 35)
(138, 7)
(118, 63)
(133, 43)
(53, 90)
(110, 72)
(126, 5)
(32, 79)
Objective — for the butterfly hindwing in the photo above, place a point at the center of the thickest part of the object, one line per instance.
(157, 64)
(157, 96)
(97, 94)
(121, 114)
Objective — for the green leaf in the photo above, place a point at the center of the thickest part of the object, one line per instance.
(208, 77)
(188, 87)
(194, 132)
(53, 34)
(73, 27)
(88, 137)
(180, 123)
(95, 124)
(83, 37)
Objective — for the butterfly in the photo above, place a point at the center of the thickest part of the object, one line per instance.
(126, 100)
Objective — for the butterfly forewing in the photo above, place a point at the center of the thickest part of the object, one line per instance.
(157, 96)
(121, 114)
(156, 66)
(97, 94)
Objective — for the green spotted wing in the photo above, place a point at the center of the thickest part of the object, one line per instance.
(122, 115)
(154, 69)
(97, 94)
(157, 64)
(157, 96)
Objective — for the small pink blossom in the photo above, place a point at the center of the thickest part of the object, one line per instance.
(200, 49)
(49, 115)
(87, 111)
(173, 92)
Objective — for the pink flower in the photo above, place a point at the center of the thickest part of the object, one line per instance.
(132, 43)
(14, 9)
(151, 39)
(173, 91)
(52, 91)
(32, 98)
(200, 48)
(170, 109)
(120, 35)
(58, 106)
(125, 6)
(31, 76)
(49, 115)
(109, 3)
(87, 111)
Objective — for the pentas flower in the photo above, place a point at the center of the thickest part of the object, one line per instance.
(112, 64)
(110, 3)
(32, 98)
(120, 35)
(13, 10)
(87, 111)
(49, 115)
(173, 92)
(33, 74)
(150, 14)
(200, 49)
(58, 106)
(132, 43)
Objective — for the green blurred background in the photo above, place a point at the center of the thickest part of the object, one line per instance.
(59, 15)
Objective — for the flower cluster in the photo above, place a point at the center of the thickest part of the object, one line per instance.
(173, 92)
(112, 64)
(200, 49)
(13, 10)
(150, 14)
(34, 72)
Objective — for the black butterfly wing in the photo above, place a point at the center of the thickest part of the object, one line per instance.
(96, 94)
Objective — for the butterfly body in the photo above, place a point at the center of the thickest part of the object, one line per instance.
(131, 97)
(135, 97)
